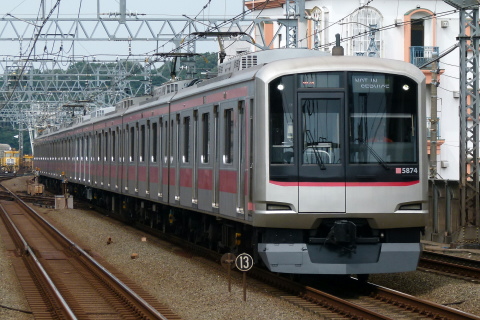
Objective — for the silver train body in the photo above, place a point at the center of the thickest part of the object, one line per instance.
(282, 148)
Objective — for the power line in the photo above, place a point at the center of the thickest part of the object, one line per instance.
(22, 71)
(428, 17)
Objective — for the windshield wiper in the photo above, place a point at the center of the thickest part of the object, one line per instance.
(311, 141)
(375, 155)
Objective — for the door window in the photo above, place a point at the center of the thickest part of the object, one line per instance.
(321, 136)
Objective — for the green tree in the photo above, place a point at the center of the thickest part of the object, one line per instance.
(7, 136)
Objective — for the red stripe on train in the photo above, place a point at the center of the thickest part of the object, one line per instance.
(345, 184)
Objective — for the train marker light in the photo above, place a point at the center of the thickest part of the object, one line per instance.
(238, 239)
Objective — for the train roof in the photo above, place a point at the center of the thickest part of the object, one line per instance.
(249, 60)
(265, 65)
(340, 63)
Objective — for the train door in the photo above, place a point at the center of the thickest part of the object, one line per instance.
(321, 170)
(216, 159)
(96, 153)
(206, 158)
(101, 158)
(86, 176)
(186, 157)
(84, 161)
(124, 158)
(114, 160)
(194, 160)
(227, 168)
(152, 172)
(76, 158)
(106, 158)
(141, 178)
(166, 158)
(242, 172)
(130, 159)
(173, 170)
(160, 162)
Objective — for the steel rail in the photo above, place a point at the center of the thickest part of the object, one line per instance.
(28, 252)
(97, 265)
(409, 302)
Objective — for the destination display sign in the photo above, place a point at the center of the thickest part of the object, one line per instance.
(365, 83)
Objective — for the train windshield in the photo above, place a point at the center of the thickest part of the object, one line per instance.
(327, 119)
(382, 119)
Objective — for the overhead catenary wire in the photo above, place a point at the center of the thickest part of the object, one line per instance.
(22, 70)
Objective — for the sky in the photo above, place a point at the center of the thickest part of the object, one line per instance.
(152, 8)
(199, 9)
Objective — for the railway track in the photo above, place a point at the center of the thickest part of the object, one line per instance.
(369, 301)
(459, 267)
(61, 281)
(366, 300)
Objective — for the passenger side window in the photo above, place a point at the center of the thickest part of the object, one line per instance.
(228, 142)
(186, 140)
(205, 138)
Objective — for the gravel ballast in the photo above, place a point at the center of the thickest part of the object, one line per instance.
(190, 286)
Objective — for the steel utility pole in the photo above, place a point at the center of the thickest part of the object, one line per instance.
(469, 114)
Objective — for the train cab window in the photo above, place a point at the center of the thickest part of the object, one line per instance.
(142, 143)
(205, 138)
(186, 140)
(382, 124)
(228, 142)
(282, 115)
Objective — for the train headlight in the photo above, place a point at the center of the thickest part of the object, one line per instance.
(406, 87)
(280, 87)
(275, 207)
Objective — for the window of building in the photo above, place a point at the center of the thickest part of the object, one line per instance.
(363, 28)
(318, 21)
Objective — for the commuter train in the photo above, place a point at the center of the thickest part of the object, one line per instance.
(315, 164)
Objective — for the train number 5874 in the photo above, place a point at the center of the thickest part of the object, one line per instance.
(409, 170)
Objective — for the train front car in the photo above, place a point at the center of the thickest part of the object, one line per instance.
(342, 187)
